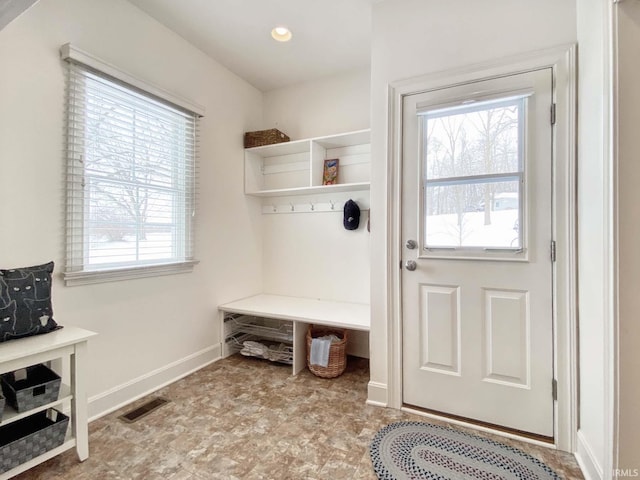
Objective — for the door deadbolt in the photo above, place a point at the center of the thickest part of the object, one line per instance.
(410, 265)
(411, 244)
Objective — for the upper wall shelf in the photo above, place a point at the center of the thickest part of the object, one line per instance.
(296, 168)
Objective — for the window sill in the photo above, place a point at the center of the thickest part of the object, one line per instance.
(72, 279)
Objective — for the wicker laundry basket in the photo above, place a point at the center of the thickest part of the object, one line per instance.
(264, 137)
(337, 352)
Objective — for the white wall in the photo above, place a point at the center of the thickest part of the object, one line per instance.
(11, 9)
(628, 14)
(311, 254)
(328, 105)
(418, 37)
(592, 231)
(150, 330)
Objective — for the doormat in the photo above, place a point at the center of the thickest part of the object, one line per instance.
(416, 450)
(143, 410)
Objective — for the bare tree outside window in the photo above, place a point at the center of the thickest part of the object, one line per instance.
(126, 161)
(137, 164)
(473, 174)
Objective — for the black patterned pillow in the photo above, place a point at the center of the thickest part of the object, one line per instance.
(25, 302)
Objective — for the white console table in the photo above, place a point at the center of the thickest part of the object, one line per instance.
(68, 342)
(301, 312)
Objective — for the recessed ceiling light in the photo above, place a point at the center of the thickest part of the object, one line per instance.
(281, 34)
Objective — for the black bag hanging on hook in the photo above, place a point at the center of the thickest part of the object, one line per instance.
(351, 219)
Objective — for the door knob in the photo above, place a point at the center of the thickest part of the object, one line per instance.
(411, 244)
(410, 265)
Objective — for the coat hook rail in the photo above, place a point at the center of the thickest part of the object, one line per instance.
(309, 207)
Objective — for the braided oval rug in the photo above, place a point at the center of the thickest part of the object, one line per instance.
(416, 450)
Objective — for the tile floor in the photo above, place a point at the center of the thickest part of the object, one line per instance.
(242, 418)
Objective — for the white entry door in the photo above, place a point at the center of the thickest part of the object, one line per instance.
(477, 276)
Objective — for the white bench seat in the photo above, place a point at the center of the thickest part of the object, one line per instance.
(353, 316)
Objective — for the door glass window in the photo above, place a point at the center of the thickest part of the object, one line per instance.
(473, 174)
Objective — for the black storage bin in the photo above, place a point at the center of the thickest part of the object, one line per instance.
(30, 437)
(41, 386)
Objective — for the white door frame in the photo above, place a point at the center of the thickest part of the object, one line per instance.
(562, 61)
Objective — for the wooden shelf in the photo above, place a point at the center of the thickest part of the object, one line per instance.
(353, 316)
(341, 187)
(67, 445)
(14, 351)
(285, 148)
(300, 312)
(11, 415)
(296, 168)
(68, 342)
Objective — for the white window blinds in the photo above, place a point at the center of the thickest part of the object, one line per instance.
(131, 174)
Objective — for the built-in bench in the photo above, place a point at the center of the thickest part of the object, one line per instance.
(299, 313)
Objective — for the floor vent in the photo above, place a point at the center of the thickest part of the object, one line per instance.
(143, 410)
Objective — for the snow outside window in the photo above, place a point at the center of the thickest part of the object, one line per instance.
(473, 175)
(130, 179)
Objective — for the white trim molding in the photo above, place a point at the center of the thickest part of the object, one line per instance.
(121, 395)
(562, 60)
(89, 277)
(612, 327)
(377, 394)
(611, 249)
(587, 460)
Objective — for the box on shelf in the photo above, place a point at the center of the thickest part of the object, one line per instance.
(264, 137)
(31, 387)
(30, 437)
(1, 406)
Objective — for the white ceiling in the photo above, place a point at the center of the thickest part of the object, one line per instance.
(11, 9)
(329, 36)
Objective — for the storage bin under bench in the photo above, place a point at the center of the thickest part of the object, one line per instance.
(284, 319)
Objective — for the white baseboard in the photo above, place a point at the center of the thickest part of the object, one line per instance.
(587, 461)
(121, 395)
(377, 394)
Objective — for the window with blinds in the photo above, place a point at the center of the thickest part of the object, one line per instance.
(131, 161)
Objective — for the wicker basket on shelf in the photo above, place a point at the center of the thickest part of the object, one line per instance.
(264, 137)
(337, 352)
